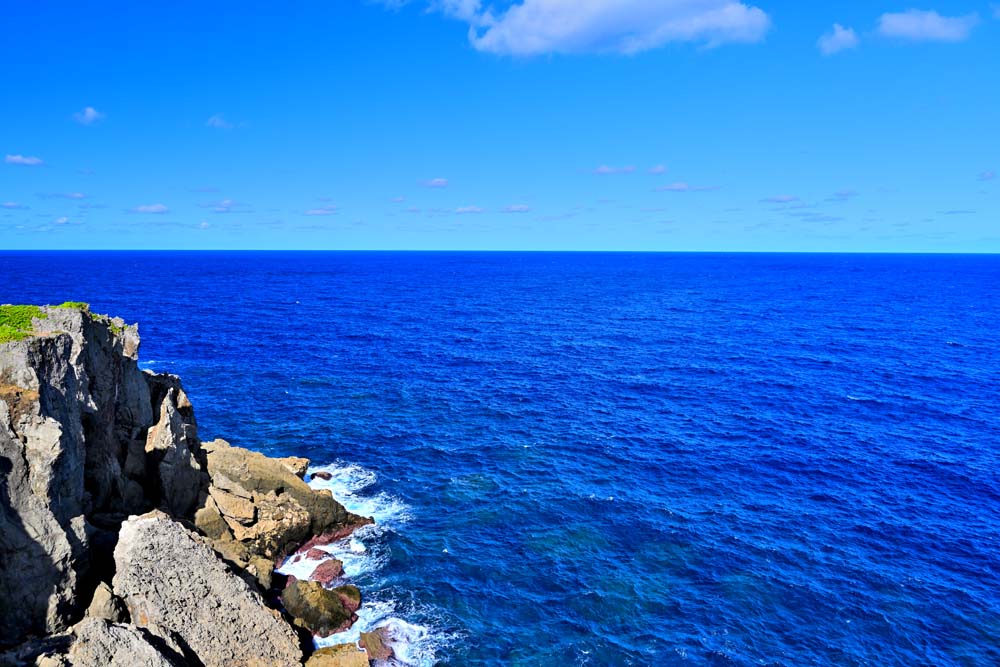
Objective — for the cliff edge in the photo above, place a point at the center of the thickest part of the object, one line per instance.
(124, 539)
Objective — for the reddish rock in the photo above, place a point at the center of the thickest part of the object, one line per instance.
(334, 535)
(316, 554)
(322, 474)
(328, 571)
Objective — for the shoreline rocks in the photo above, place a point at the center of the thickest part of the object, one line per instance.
(125, 540)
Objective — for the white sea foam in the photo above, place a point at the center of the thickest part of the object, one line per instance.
(413, 645)
(347, 483)
(364, 553)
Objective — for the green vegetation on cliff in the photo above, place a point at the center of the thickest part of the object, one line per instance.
(77, 305)
(15, 321)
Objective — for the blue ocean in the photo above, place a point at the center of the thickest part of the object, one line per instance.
(611, 459)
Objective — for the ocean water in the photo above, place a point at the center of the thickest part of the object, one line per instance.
(611, 459)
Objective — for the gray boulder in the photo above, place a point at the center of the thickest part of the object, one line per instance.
(102, 644)
(172, 581)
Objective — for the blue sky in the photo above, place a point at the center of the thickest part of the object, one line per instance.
(774, 125)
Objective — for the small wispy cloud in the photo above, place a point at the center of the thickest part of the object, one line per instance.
(89, 116)
(685, 187)
(24, 160)
(323, 210)
(658, 169)
(995, 6)
(398, 200)
(604, 170)
(12, 206)
(226, 206)
(465, 210)
(219, 122)
(517, 208)
(61, 221)
(988, 175)
(843, 195)
(919, 25)
(780, 199)
(837, 40)
(156, 209)
(76, 196)
(435, 183)
(203, 225)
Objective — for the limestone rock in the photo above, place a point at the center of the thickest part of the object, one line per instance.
(170, 579)
(102, 644)
(376, 643)
(43, 532)
(320, 610)
(171, 449)
(298, 465)
(342, 655)
(105, 605)
(264, 504)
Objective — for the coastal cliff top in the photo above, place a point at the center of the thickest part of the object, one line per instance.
(18, 322)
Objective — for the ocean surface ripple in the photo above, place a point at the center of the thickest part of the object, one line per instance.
(612, 459)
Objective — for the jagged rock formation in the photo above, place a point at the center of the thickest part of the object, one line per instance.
(215, 615)
(87, 439)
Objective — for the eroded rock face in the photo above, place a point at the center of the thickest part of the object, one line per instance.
(74, 414)
(43, 532)
(320, 610)
(377, 644)
(258, 507)
(342, 655)
(106, 605)
(171, 449)
(170, 580)
(102, 644)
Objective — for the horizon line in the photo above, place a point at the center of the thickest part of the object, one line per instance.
(496, 251)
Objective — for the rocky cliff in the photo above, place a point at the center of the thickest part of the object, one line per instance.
(126, 540)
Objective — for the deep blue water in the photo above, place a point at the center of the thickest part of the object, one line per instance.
(614, 459)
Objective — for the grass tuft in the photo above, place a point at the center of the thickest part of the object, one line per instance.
(15, 321)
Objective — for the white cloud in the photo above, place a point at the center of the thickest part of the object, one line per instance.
(605, 169)
(204, 225)
(517, 208)
(685, 187)
(219, 122)
(781, 199)
(151, 208)
(988, 175)
(12, 206)
(534, 27)
(658, 169)
(436, 183)
(223, 206)
(62, 221)
(837, 40)
(927, 26)
(64, 195)
(89, 116)
(24, 160)
(462, 210)
(323, 210)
